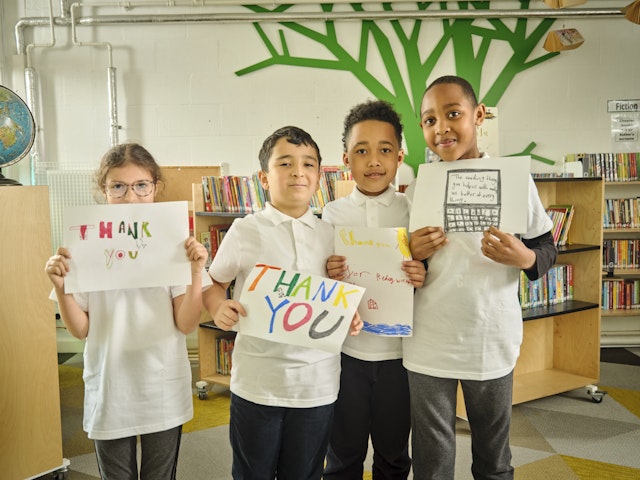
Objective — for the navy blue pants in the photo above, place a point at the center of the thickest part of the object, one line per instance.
(289, 443)
(373, 401)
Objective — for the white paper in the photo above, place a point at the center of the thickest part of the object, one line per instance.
(470, 195)
(297, 308)
(132, 245)
(374, 258)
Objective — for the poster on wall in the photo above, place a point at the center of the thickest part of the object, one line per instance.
(625, 125)
(133, 245)
(297, 308)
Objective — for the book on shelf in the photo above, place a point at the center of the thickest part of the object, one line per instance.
(612, 167)
(621, 254)
(620, 294)
(621, 213)
(244, 193)
(224, 351)
(562, 216)
(556, 286)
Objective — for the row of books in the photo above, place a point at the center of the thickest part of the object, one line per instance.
(621, 213)
(619, 294)
(621, 254)
(233, 193)
(212, 239)
(556, 286)
(561, 215)
(244, 193)
(224, 350)
(613, 167)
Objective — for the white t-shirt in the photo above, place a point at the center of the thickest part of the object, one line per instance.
(467, 317)
(266, 372)
(137, 373)
(389, 209)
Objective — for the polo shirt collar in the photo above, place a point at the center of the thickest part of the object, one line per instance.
(277, 217)
(385, 198)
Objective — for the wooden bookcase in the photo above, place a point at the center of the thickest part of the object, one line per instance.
(561, 343)
(621, 327)
(208, 333)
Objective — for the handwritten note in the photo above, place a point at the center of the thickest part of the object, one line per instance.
(471, 195)
(374, 258)
(126, 246)
(297, 308)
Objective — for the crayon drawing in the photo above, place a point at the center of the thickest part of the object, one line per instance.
(374, 259)
(297, 308)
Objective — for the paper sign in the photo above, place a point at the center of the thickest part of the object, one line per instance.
(297, 308)
(132, 245)
(374, 258)
(471, 195)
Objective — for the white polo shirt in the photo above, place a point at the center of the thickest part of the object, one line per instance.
(266, 372)
(389, 209)
(467, 316)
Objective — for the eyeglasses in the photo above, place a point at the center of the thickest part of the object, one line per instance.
(143, 188)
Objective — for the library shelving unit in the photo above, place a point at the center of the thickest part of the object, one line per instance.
(621, 327)
(208, 333)
(561, 344)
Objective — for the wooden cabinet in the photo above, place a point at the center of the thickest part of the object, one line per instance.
(31, 434)
(621, 326)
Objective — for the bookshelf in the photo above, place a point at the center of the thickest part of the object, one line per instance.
(620, 326)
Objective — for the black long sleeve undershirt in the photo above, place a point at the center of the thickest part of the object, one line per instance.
(546, 253)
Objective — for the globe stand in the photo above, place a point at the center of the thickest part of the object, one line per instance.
(7, 182)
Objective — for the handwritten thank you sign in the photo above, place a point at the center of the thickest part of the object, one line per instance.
(374, 260)
(297, 308)
(126, 246)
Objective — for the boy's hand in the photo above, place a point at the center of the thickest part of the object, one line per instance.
(57, 267)
(196, 253)
(415, 271)
(506, 249)
(356, 325)
(228, 314)
(425, 241)
(336, 267)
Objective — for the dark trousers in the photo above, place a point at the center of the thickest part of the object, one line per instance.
(117, 458)
(373, 401)
(289, 443)
(433, 436)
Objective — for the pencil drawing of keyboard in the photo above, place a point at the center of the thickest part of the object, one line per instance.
(472, 200)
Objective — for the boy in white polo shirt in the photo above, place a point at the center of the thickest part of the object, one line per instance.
(282, 395)
(374, 394)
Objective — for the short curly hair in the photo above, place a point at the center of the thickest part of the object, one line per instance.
(372, 110)
(294, 135)
(466, 87)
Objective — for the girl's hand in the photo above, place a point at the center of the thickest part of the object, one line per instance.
(356, 325)
(57, 267)
(506, 249)
(416, 272)
(336, 267)
(228, 314)
(426, 241)
(196, 253)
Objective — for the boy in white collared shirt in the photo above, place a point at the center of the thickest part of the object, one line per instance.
(282, 395)
(374, 393)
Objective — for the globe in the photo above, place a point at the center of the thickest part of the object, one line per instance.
(17, 128)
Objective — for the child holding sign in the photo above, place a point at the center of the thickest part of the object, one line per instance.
(282, 395)
(468, 320)
(374, 393)
(137, 373)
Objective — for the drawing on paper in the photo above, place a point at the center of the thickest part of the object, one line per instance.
(472, 200)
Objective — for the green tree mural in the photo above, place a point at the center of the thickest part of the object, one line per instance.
(469, 39)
